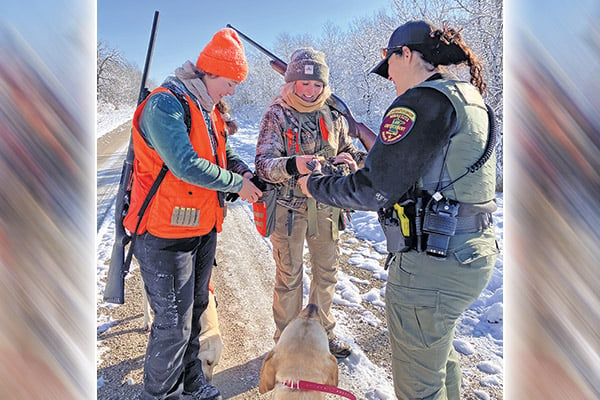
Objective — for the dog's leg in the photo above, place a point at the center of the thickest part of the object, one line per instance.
(211, 342)
(267, 374)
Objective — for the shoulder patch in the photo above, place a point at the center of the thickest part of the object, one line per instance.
(396, 124)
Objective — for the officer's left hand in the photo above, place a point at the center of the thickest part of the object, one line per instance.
(303, 182)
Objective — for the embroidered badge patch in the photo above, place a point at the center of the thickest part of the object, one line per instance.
(396, 124)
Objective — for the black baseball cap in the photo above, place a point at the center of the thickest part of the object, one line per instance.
(410, 33)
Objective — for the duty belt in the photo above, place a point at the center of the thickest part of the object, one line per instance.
(474, 223)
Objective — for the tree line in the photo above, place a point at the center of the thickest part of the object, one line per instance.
(117, 79)
(350, 52)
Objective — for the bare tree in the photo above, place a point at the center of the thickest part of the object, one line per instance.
(368, 95)
(109, 62)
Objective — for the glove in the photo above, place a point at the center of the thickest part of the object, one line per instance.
(259, 183)
(231, 197)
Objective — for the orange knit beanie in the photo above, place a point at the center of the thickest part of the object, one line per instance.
(224, 56)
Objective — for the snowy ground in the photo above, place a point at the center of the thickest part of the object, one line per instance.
(480, 331)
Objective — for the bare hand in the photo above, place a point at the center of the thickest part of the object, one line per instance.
(249, 192)
(301, 162)
(346, 158)
(303, 183)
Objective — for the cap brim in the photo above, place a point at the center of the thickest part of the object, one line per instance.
(381, 69)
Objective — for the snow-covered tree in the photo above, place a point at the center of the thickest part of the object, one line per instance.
(117, 80)
(351, 52)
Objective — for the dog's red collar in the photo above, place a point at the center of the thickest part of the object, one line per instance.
(319, 387)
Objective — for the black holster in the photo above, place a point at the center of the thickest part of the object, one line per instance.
(396, 241)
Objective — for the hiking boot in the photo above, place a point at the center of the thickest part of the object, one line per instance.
(339, 348)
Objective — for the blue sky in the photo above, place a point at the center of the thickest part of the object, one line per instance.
(185, 27)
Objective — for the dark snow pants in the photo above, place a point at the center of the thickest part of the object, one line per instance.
(176, 273)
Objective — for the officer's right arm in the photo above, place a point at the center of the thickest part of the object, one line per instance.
(398, 157)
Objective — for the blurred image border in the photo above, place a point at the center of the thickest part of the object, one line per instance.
(552, 227)
(47, 201)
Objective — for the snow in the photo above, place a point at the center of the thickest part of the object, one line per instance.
(479, 333)
(108, 119)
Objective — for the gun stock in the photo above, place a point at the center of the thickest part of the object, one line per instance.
(279, 66)
(355, 129)
(114, 291)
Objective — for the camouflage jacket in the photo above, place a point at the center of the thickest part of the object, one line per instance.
(277, 142)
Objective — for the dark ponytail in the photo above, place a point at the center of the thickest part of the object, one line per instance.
(448, 48)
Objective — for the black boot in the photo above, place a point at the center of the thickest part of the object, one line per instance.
(200, 389)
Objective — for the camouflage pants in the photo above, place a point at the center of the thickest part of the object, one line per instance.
(288, 252)
(424, 298)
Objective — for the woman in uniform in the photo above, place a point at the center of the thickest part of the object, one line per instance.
(427, 173)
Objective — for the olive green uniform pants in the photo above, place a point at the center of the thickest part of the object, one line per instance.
(424, 298)
(288, 252)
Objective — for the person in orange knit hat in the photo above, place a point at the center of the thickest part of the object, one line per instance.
(180, 127)
(224, 56)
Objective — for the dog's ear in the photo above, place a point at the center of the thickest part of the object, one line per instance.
(331, 371)
(267, 373)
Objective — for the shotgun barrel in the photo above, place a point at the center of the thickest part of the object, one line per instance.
(355, 128)
(114, 291)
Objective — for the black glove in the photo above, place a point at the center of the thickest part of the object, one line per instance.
(259, 183)
(231, 197)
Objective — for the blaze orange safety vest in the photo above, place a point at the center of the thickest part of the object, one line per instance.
(178, 209)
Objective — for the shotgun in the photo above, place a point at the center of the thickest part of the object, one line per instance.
(355, 129)
(118, 269)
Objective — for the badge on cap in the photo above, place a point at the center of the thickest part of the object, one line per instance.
(309, 69)
(396, 124)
